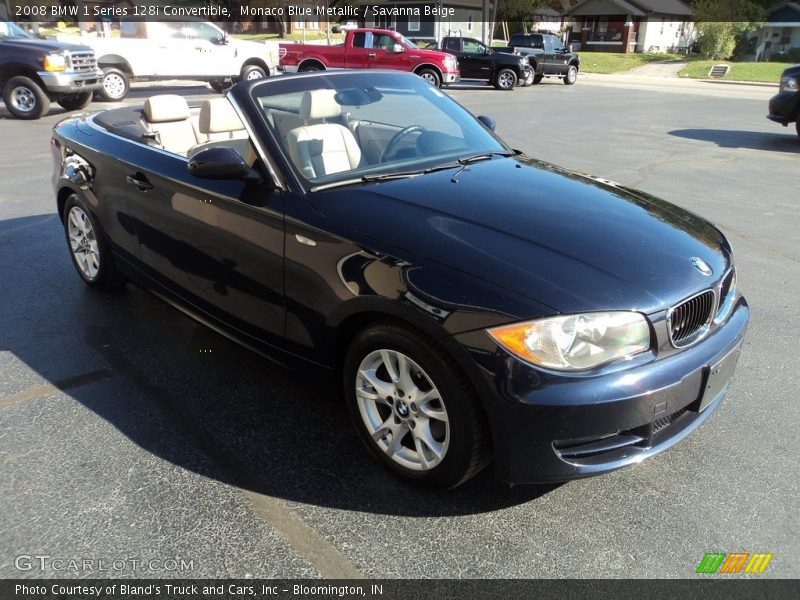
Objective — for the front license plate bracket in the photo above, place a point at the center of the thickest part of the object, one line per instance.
(718, 377)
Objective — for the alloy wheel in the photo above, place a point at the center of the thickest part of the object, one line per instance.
(114, 85)
(83, 242)
(23, 99)
(402, 410)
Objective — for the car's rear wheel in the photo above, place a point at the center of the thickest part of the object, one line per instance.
(220, 86)
(528, 79)
(413, 408)
(537, 79)
(76, 101)
(572, 75)
(431, 77)
(116, 85)
(309, 68)
(88, 248)
(251, 72)
(506, 79)
(25, 99)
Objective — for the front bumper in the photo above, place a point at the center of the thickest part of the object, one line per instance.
(550, 427)
(783, 107)
(65, 82)
(448, 78)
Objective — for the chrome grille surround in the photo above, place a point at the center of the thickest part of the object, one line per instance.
(689, 321)
(83, 61)
(726, 294)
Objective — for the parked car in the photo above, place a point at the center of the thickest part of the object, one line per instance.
(465, 296)
(784, 107)
(372, 49)
(477, 61)
(34, 73)
(344, 26)
(197, 50)
(548, 56)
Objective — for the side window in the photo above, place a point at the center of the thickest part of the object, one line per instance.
(381, 41)
(536, 41)
(452, 44)
(473, 47)
(360, 40)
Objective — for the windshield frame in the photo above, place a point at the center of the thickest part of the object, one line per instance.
(16, 31)
(265, 88)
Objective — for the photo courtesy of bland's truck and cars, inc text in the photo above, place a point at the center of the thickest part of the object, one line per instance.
(369, 298)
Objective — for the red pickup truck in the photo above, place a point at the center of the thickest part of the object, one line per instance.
(372, 49)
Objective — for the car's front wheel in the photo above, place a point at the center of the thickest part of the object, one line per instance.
(88, 248)
(116, 85)
(251, 72)
(413, 408)
(572, 75)
(25, 99)
(76, 101)
(431, 77)
(528, 79)
(506, 79)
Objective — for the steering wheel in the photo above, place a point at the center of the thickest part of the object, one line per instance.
(396, 139)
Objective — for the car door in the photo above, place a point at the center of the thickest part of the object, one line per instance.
(217, 244)
(383, 56)
(554, 54)
(212, 55)
(452, 45)
(478, 57)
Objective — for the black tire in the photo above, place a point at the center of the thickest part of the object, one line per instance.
(310, 68)
(571, 76)
(527, 81)
(107, 276)
(467, 450)
(797, 126)
(537, 79)
(250, 72)
(220, 86)
(25, 99)
(431, 77)
(76, 101)
(116, 85)
(505, 80)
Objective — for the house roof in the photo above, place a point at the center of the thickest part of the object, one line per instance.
(636, 8)
(784, 11)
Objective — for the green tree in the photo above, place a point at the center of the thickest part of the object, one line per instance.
(719, 22)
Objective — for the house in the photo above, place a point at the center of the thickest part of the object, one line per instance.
(426, 20)
(780, 32)
(632, 25)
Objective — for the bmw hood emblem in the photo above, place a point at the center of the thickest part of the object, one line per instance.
(701, 265)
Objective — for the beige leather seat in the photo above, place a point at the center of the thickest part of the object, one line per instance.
(221, 126)
(322, 148)
(168, 116)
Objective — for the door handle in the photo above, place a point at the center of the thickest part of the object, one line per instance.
(139, 181)
(371, 55)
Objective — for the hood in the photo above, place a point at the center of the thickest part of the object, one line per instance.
(425, 54)
(569, 241)
(44, 45)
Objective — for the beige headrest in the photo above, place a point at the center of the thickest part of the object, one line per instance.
(165, 108)
(218, 116)
(319, 104)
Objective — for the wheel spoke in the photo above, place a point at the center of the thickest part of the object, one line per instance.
(398, 433)
(423, 432)
(389, 364)
(404, 371)
(421, 452)
(433, 412)
(383, 388)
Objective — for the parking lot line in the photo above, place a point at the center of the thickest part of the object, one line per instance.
(331, 563)
(65, 384)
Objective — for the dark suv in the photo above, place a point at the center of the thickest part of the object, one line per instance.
(548, 56)
(477, 61)
(34, 72)
(784, 107)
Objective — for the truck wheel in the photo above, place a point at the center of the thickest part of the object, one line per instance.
(75, 101)
(537, 79)
(25, 99)
(115, 85)
(251, 72)
(431, 77)
(309, 68)
(572, 75)
(220, 86)
(797, 126)
(506, 79)
(528, 79)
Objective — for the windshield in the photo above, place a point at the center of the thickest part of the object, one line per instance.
(340, 127)
(10, 30)
(408, 43)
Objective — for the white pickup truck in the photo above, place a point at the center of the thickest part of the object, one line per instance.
(195, 50)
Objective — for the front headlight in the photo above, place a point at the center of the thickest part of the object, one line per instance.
(576, 342)
(790, 84)
(55, 62)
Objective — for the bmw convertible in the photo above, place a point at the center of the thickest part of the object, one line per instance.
(477, 306)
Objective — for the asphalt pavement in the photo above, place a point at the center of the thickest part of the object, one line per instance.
(128, 432)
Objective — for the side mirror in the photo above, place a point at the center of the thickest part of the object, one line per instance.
(221, 163)
(398, 48)
(487, 121)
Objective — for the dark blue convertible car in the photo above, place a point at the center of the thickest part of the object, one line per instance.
(477, 305)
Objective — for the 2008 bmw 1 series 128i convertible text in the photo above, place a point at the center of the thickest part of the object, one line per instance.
(478, 306)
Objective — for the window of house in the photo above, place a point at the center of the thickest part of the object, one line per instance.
(413, 23)
(469, 23)
(602, 26)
